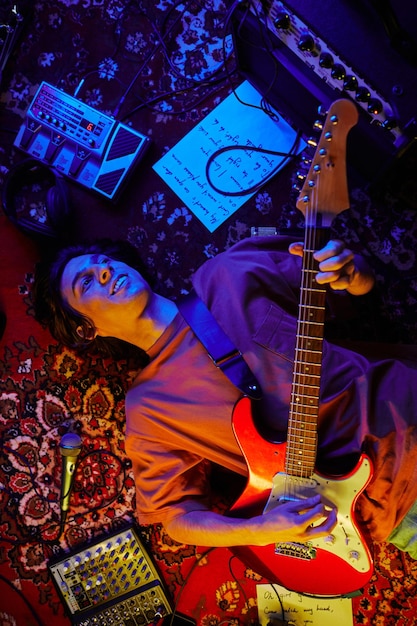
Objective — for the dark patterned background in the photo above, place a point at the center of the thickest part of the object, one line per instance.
(173, 56)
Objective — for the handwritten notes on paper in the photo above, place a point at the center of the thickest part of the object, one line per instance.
(237, 127)
(301, 610)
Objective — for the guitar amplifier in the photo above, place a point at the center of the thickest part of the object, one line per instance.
(83, 144)
(302, 56)
(111, 581)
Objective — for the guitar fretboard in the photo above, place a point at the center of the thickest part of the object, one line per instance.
(305, 394)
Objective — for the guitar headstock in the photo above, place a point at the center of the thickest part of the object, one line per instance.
(325, 189)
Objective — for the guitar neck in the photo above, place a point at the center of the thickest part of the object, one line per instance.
(304, 405)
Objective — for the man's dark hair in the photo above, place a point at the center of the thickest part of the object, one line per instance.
(54, 313)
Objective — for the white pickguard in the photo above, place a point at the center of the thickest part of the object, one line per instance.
(344, 541)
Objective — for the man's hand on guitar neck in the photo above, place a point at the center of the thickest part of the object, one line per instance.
(340, 268)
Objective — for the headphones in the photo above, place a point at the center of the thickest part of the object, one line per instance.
(32, 178)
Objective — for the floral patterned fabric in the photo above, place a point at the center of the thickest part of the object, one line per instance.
(173, 64)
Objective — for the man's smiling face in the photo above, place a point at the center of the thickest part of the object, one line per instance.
(110, 293)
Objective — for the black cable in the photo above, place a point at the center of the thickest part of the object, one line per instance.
(286, 156)
(59, 523)
(212, 79)
(231, 559)
(25, 600)
(186, 579)
(158, 45)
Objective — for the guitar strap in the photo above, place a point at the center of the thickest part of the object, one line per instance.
(220, 348)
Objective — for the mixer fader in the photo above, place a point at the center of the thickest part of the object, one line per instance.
(111, 582)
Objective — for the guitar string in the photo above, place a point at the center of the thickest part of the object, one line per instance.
(300, 434)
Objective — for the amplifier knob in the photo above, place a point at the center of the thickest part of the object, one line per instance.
(389, 123)
(374, 106)
(363, 94)
(338, 71)
(282, 20)
(350, 83)
(306, 43)
(326, 60)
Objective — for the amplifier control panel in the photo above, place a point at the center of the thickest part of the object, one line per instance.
(327, 65)
(81, 143)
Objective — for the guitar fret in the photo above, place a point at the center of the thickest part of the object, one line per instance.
(309, 411)
(297, 395)
(304, 378)
(311, 289)
(305, 361)
(306, 427)
(305, 446)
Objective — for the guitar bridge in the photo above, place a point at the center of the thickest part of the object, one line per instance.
(296, 550)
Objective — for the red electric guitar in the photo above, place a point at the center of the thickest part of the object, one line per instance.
(340, 563)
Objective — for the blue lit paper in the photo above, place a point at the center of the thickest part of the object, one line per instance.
(231, 123)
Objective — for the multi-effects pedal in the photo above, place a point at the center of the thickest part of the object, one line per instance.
(81, 143)
(112, 581)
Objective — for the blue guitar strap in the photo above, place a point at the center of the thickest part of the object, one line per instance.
(220, 348)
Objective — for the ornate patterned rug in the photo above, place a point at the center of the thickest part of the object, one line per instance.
(174, 54)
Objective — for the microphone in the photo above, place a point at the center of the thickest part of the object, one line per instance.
(70, 448)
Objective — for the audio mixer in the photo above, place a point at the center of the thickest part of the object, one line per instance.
(81, 143)
(112, 581)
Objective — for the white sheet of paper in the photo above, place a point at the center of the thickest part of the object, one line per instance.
(231, 123)
(302, 610)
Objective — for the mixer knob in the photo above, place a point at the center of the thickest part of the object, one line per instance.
(282, 20)
(350, 83)
(338, 71)
(306, 43)
(326, 60)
